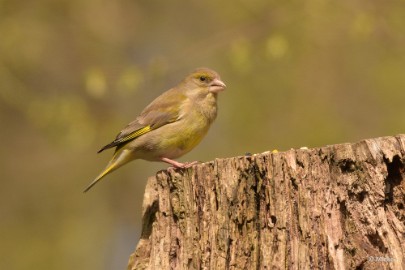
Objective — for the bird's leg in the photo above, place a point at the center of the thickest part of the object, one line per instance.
(174, 163)
(177, 164)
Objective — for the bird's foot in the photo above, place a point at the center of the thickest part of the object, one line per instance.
(179, 165)
(190, 164)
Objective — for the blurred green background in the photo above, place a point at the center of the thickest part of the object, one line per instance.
(73, 73)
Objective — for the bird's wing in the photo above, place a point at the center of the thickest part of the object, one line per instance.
(163, 110)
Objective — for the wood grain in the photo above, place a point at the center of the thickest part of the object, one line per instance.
(334, 207)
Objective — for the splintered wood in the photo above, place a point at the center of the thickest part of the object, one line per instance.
(334, 207)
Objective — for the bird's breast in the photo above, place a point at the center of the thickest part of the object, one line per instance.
(186, 134)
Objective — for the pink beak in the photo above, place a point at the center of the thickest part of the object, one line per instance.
(217, 86)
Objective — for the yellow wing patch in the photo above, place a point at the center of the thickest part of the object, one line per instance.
(135, 134)
(131, 136)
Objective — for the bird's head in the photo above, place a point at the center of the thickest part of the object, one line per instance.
(204, 80)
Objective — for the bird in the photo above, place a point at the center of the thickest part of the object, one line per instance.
(170, 126)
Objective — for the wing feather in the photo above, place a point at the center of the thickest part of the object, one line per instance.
(163, 110)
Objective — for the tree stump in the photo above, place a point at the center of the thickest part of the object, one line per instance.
(334, 207)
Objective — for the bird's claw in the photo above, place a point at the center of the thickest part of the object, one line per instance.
(184, 165)
(179, 165)
(187, 165)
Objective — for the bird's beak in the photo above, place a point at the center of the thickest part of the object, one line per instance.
(217, 86)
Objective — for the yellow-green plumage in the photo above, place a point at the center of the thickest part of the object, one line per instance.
(172, 125)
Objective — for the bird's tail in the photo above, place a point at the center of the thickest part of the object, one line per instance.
(120, 158)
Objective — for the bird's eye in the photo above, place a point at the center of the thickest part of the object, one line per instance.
(203, 78)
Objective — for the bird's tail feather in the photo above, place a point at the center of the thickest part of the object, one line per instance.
(119, 159)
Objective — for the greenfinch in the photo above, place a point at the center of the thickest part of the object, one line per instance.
(169, 127)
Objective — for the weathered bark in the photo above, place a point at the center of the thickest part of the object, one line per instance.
(334, 207)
